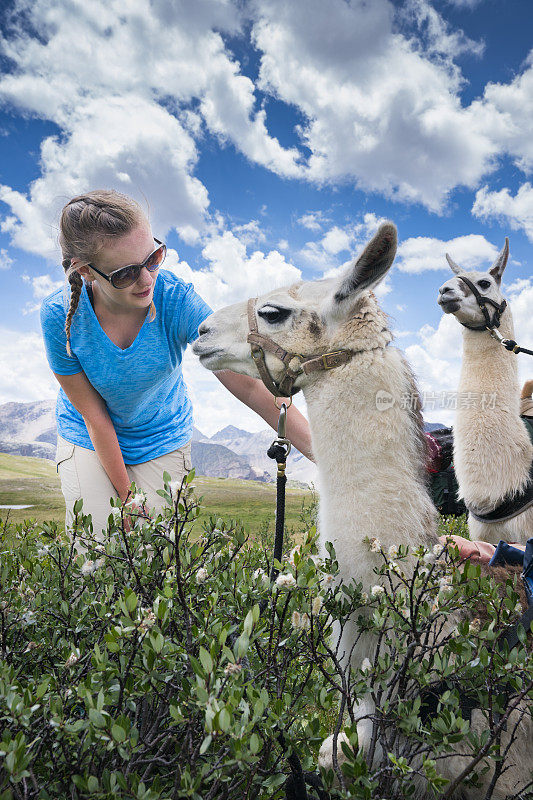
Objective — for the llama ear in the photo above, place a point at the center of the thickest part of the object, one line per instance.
(501, 262)
(454, 267)
(371, 266)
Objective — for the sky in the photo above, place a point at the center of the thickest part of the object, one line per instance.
(267, 140)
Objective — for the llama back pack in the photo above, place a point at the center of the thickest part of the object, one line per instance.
(443, 482)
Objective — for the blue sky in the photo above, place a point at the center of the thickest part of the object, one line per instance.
(269, 139)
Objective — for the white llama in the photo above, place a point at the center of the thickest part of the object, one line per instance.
(366, 428)
(492, 450)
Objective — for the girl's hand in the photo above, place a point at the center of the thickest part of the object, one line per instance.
(136, 508)
(527, 389)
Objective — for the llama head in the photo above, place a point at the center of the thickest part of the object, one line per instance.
(307, 318)
(456, 297)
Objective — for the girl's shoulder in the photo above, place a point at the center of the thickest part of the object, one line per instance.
(171, 283)
(174, 291)
(55, 304)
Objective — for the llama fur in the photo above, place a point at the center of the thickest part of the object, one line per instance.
(492, 449)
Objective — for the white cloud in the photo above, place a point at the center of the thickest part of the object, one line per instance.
(126, 135)
(42, 286)
(313, 220)
(6, 262)
(379, 109)
(320, 254)
(516, 211)
(118, 98)
(469, 4)
(435, 31)
(507, 113)
(249, 232)
(421, 253)
(26, 375)
(233, 275)
(283, 244)
(336, 240)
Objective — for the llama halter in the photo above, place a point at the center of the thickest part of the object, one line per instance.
(482, 301)
(294, 363)
(491, 325)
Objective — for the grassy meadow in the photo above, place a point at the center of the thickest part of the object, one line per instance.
(34, 482)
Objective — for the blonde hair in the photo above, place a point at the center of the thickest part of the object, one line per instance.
(85, 223)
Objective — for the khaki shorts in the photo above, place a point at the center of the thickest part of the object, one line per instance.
(82, 475)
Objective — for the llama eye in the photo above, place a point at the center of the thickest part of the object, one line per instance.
(483, 284)
(272, 314)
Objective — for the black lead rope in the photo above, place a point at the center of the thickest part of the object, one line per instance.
(295, 786)
(279, 449)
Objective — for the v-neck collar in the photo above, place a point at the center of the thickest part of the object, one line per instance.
(103, 335)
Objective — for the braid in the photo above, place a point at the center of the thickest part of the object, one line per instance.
(76, 285)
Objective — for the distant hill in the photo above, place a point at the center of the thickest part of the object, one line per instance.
(28, 429)
(433, 426)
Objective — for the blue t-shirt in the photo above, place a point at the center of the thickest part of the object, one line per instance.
(142, 385)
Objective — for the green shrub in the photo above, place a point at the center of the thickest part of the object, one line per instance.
(160, 666)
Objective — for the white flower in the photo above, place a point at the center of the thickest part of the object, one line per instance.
(475, 625)
(91, 566)
(327, 579)
(72, 659)
(305, 622)
(260, 573)
(148, 619)
(429, 558)
(232, 668)
(438, 549)
(392, 566)
(317, 605)
(174, 486)
(201, 575)
(366, 666)
(376, 590)
(294, 551)
(138, 499)
(295, 619)
(364, 598)
(393, 551)
(375, 545)
(286, 580)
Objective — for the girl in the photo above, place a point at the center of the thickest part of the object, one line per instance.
(115, 345)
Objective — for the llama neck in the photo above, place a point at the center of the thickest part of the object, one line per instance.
(368, 458)
(492, 449)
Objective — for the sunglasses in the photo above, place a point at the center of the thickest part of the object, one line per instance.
(127, 276)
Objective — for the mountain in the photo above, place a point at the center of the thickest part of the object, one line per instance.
(218, 461)
(433, 426)
(230, 433)
(28, 429)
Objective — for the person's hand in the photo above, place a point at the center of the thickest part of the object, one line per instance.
(527, 389)
(136, 508)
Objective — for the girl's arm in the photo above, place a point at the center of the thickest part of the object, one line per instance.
(92, 407)
(257, 397)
